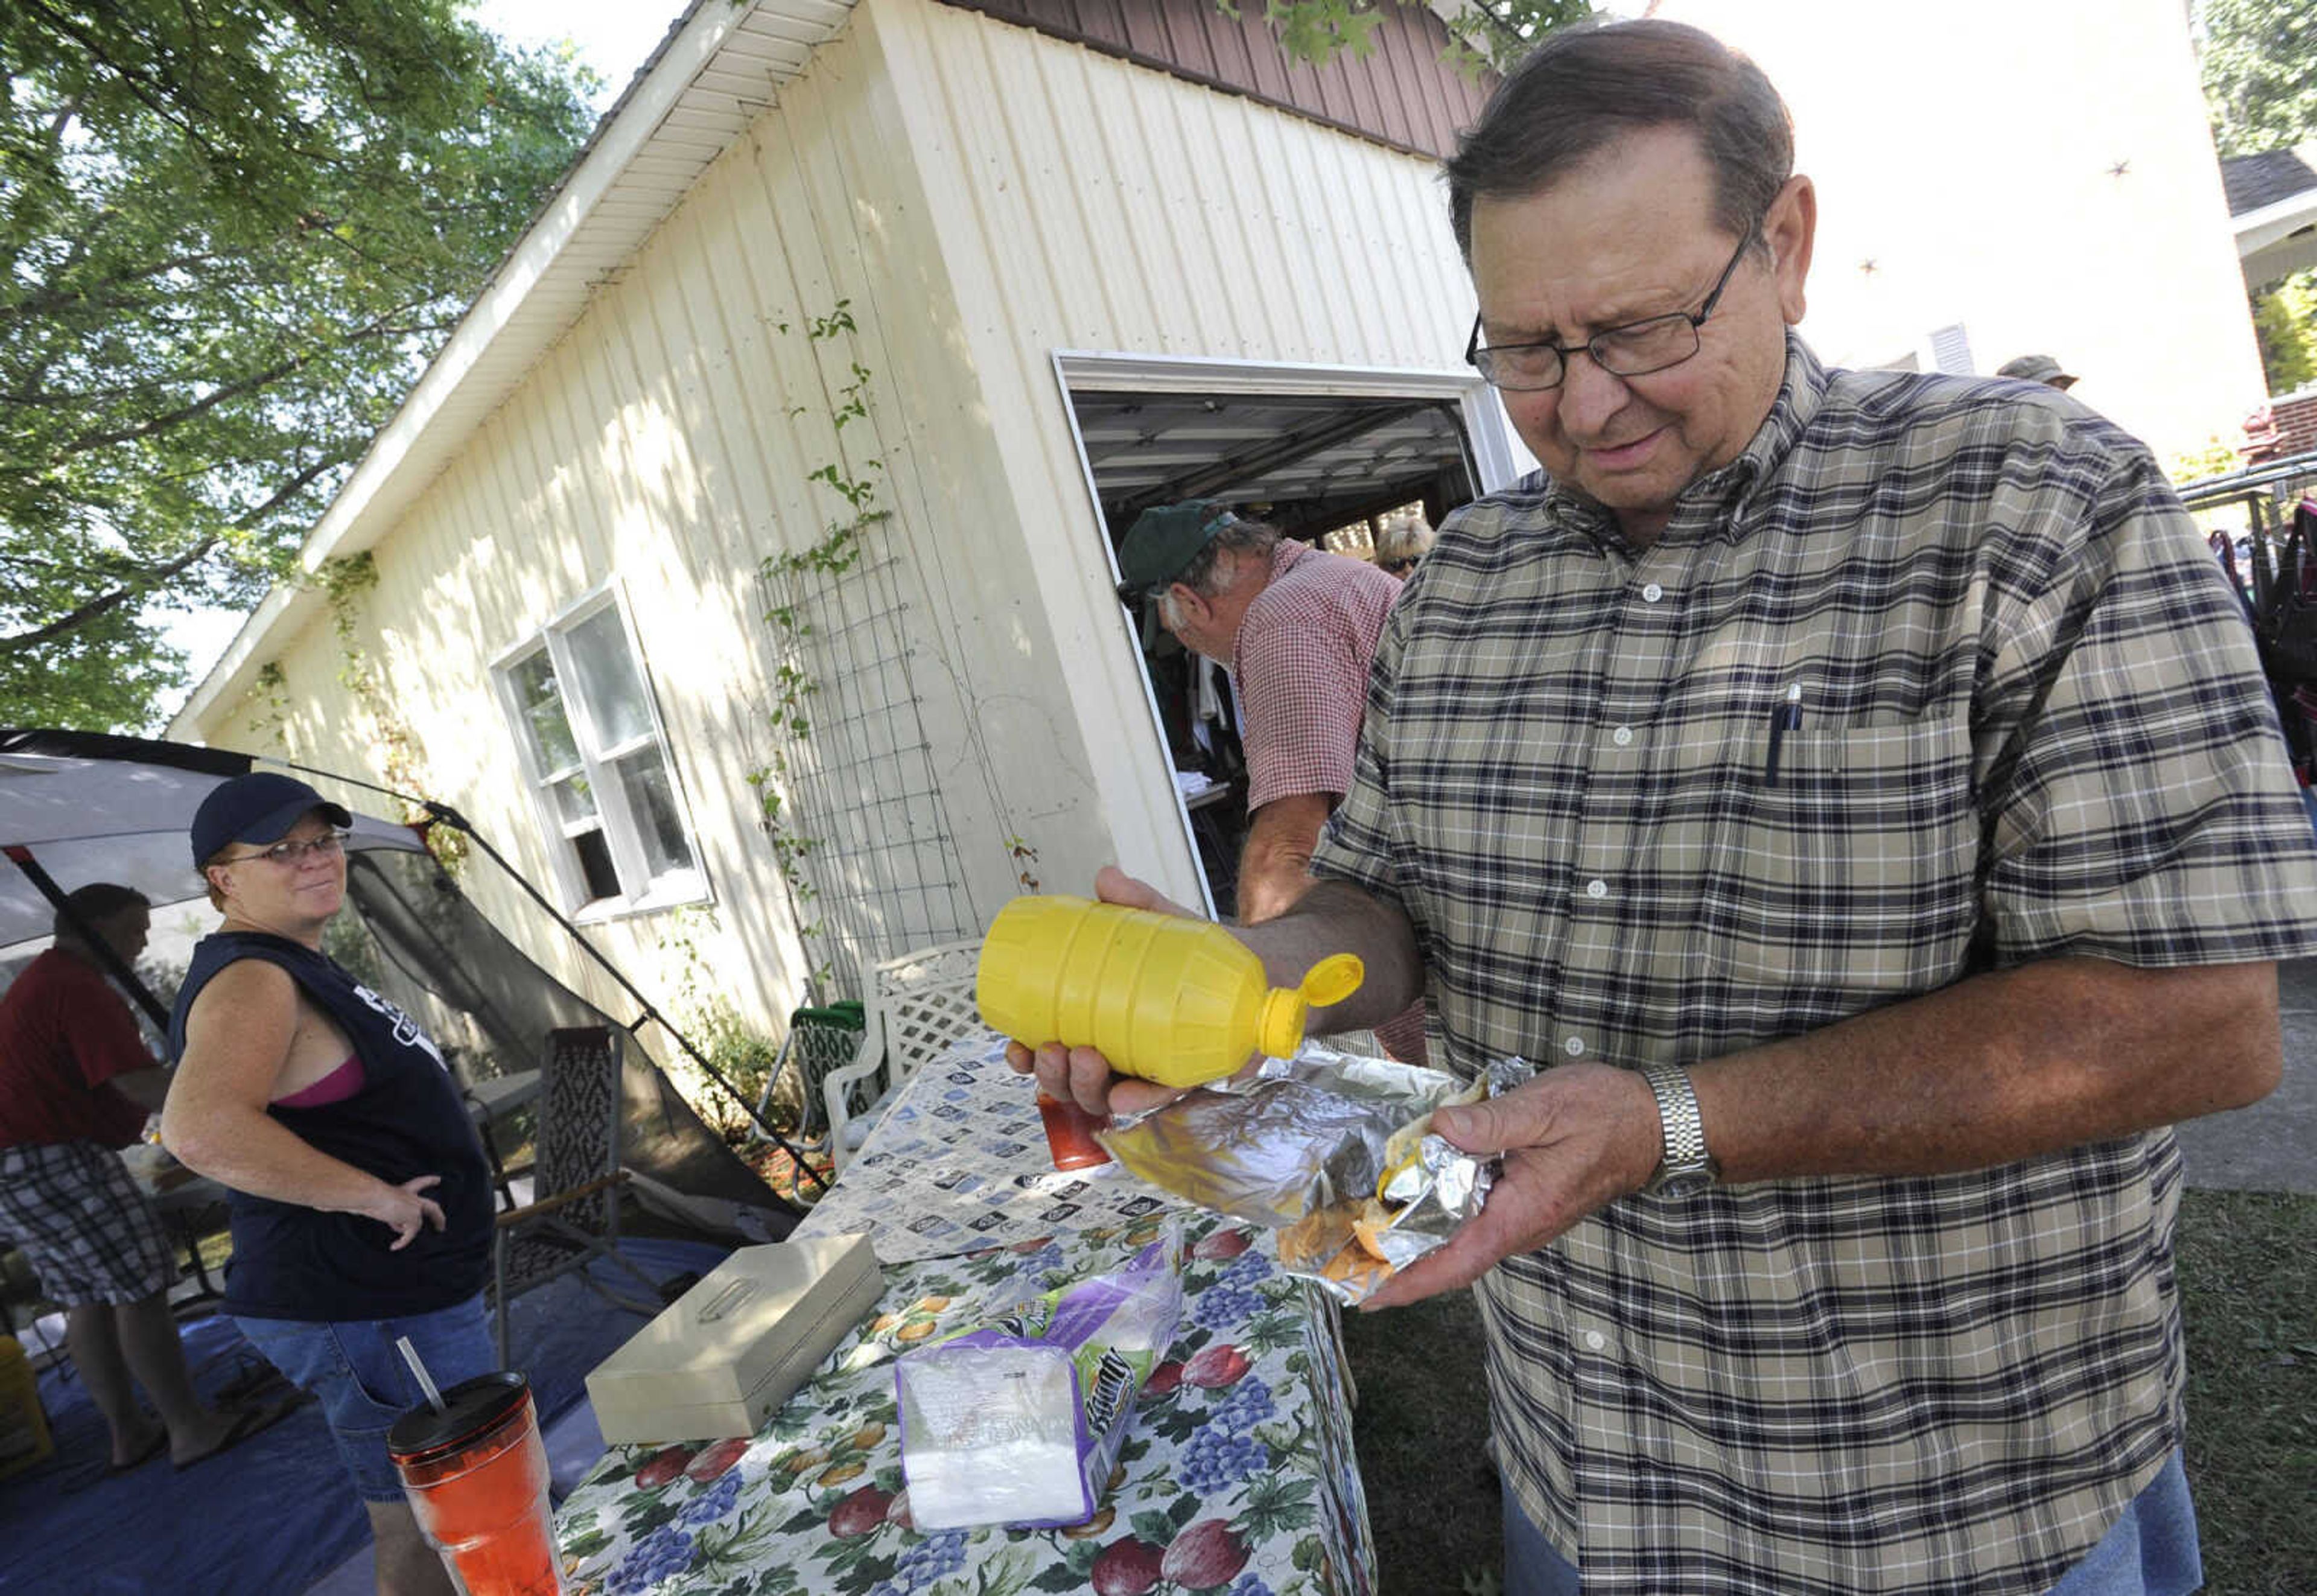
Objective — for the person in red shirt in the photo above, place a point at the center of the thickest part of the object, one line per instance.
(76, 1083)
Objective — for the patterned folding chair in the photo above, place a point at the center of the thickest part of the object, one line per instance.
(821, 1041)
(918, 1005)
(575, 1218)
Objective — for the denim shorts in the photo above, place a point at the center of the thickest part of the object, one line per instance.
(353, 1366)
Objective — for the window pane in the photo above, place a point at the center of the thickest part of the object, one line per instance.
(643, 779)
(575, 800)
(538, 699)
(609, 684)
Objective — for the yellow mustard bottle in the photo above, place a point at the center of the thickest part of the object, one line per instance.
(1175, 1001)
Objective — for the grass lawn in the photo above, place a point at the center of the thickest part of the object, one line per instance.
(2248, 1282)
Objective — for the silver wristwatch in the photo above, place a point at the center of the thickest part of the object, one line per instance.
(1686, 1168)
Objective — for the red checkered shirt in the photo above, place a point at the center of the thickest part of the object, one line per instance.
(1301, 663)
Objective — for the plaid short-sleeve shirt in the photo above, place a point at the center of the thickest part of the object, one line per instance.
(2031, 725)
(1301, 663)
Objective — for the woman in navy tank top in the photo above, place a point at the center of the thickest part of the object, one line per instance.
(362, 1201)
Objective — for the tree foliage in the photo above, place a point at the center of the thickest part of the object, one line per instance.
(2259, 68)
(233, 231)
(2285, 320)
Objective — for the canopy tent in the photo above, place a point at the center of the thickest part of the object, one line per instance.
(77, 808)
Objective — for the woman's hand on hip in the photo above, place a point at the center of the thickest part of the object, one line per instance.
(403, 1210)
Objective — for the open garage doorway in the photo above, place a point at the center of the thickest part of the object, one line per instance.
(1328, 456)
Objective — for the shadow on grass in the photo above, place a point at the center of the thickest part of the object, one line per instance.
(1422, 1418)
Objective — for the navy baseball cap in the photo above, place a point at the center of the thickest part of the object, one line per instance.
(260, 808)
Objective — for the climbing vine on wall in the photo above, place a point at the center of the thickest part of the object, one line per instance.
(344, 583)
(794, 685)
(271, 690)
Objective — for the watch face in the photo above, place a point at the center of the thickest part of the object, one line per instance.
(1684, 1183)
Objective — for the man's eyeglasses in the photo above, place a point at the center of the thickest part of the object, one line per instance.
(329, 845)
(1399, 568)
(1633, 349)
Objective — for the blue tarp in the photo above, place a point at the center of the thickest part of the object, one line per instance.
(277, 1512)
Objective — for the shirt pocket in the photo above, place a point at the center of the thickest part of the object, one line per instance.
(1853, 876)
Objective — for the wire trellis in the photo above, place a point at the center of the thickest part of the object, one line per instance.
(860, 780)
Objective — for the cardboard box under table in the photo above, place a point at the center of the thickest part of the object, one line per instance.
(731, 1349)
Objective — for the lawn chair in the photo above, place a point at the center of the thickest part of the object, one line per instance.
(819, 1041)
(576, 1219)
(918, 1005)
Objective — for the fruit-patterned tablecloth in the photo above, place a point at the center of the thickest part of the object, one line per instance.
(960, 1161)
(1237, 1476)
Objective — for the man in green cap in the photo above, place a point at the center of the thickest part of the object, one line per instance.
(1296, 627)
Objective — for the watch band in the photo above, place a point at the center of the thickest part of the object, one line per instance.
(1685, 1164)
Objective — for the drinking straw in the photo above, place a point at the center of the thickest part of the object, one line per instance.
(426, 1380)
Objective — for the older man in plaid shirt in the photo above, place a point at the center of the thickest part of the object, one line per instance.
(1860, 788)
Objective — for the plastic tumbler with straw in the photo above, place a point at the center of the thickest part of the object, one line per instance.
(476, 1473)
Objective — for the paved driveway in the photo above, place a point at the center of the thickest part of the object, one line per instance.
(2271, 1146)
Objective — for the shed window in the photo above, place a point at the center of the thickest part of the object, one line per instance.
(599, 764)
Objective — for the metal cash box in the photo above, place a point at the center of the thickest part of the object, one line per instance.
(730, 1352)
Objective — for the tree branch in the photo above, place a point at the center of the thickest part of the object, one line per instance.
(152, 93)
(104, 604)
(224, 391)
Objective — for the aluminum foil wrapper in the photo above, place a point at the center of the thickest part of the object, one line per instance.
(1309, 1142)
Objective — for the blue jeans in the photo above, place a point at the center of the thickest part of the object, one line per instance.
(2149, 1551)
(353, 1366)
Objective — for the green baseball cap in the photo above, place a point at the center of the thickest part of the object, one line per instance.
(1164, 541)
(1158, 548)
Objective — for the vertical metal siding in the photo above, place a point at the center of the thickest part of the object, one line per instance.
(1155, 216)
(1083, 202)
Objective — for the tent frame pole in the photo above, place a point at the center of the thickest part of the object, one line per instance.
(451, 817)
(448, 816)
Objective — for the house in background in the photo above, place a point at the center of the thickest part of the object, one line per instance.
(921, 302)
(2273, 204)
(2273, 210)
(2035, 176)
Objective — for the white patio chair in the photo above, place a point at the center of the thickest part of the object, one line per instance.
(918, 1004)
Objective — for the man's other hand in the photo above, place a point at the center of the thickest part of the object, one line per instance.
(1575, 1138)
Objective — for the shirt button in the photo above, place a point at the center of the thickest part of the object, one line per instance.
(1652, 593)
(1595, 1341)
(1597, 887)
(1622, 736)
(1574, 1047)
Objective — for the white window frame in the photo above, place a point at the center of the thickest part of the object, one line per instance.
(622, 833)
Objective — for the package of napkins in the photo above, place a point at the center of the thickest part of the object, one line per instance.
(1019, 1420)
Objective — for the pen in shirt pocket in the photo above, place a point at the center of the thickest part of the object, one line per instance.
(1784, 716)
